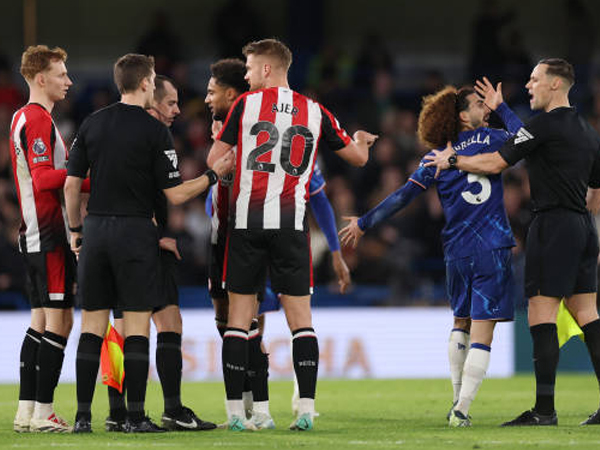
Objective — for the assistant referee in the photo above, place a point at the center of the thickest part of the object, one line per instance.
(562, 152)
(130, 155)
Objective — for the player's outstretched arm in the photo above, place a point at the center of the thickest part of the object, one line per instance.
(323, 212)
(192, 188)
(357, 151)
(393, 203)
(483, 163)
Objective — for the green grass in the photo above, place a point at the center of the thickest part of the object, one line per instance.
(369, 414)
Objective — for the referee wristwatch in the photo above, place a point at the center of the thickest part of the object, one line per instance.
(78, 229)
(452, 160)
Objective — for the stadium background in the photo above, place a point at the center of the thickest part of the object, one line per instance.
(370, 63)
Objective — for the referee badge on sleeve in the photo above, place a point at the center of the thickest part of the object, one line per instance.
(522, 136)
(172, 155)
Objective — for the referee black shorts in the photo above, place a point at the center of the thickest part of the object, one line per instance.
(119, 264)
(561, 254)
(285, 254)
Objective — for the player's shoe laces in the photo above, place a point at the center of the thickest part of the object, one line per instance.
(532, 418)
(82, 425)
(114, 425)
(143, 426)
(594, 419)
(303, 423)
(185, 420)
(458, 420)
(53, 424)
(262, 421)
(237, 423)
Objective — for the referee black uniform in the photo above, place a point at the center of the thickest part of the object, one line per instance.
(130, 156)
(562, 152)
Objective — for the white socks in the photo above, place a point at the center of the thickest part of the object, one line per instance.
(475, 368)
(458, 347)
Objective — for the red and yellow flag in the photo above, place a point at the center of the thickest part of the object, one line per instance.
(111, 359)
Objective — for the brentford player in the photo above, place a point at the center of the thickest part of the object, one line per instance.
(39, 157)
(277, 133)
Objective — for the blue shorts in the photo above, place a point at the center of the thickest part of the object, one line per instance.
(481, 286)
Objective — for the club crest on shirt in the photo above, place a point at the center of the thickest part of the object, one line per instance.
(172, 155)
(39, 148)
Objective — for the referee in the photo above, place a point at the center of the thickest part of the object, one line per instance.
(562, 152)
(130, 155)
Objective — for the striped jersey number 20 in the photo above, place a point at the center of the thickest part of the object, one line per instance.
(483, 195)
(286, 148)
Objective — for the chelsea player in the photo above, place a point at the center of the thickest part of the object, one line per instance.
(477, 237)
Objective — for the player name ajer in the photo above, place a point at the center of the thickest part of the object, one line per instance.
(285, 108)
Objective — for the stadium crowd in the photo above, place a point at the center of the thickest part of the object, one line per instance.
(364, 89)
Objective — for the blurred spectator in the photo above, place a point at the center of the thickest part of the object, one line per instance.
(161, 42)
(236, 24)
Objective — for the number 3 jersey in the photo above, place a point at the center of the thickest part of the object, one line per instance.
(277, 133)
(473, 204)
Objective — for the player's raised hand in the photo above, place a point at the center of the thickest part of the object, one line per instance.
(341, 271)
(216, 127)
(225, 164)
(351, 233)
(170, 245)
(366, 137)
(439, 159)
(491, 97)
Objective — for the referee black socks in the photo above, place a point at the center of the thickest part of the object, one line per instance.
(29, 357)
(136, 353)
(168, 366)
(235, 361)
(545, 361)
(86, 367)
(50, 360)
(591, 333)
(305, 353)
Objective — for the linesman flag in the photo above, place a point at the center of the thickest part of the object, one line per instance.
(566, 325)
(111, 359)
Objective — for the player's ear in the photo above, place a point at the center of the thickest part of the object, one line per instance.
(267, 69)
(463, 116)
(556, 83)
(231, 94)
(39, 79)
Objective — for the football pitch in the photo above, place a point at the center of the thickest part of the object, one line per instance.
(365, 414)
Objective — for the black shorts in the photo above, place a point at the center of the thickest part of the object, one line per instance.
(169, 294)
(215, 270)
(285, 254)
(119, 264)
(561, 254)
(51, 278)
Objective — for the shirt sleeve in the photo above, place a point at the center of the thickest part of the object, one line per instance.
(78, 163)
(332, 133)
(423, 177)
(166, 166)
(317, 182)
(39, 138)
(230, 131)
(509, 118)
(524, 142)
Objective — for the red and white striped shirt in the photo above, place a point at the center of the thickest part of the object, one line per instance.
(220, 209)
(277, 132)
(39, 157)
